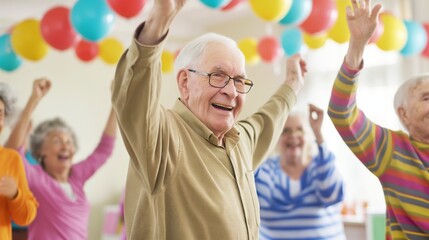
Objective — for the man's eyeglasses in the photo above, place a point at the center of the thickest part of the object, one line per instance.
(220, 80)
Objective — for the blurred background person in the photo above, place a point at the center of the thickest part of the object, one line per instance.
(57, 182)
(17, 203)
(300, 194)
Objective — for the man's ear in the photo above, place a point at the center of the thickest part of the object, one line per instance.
(182, 83)
(402, 113)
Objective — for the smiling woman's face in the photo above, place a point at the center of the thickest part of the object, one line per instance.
(292, 141)
(57, 151)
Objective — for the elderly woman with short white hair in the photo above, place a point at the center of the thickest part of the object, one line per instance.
(58, 182)
(300, 190)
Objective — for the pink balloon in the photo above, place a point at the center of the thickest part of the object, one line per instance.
(269, 48)
(231, 5)
(86, 50)
(127, 8)
(322, 17)
(57, 30)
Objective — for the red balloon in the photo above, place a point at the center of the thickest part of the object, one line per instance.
(269, 48)
(378, 31)
(322, 17)
(57, 30)
(127, 8)
(86, 50)
(425, 52)
(231, 5)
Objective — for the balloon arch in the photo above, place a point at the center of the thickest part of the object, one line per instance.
(85, 28)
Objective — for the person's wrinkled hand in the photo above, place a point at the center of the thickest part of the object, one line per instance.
(41, 87)
(315, 118)
(295, 72)
(362, 20)
(8, 187)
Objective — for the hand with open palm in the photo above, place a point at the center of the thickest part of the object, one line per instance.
(158, 22)
(362, 21)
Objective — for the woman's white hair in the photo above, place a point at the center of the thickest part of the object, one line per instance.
(403, 93)
(38, 136)
(8, 97)
(304, 116)
(310, 147)
(191, 53)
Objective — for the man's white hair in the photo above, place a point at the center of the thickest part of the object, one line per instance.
(403, 93)
(191, 52)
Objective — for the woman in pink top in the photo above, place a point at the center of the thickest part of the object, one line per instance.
(57, 182)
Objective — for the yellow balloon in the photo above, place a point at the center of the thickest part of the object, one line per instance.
(249, 47)
(340, 31)
(315, 41)
(394, 35)
(110, 50)
(167, 62)
(27, 40)
(270, 10)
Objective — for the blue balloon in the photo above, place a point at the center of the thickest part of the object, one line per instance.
(9, 61)
(291, 41)
(215, 3)
(417, 38)
(93, 19)
(298, 12)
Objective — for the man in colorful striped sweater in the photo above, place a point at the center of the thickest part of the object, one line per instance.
(400, 161)
(300, 194)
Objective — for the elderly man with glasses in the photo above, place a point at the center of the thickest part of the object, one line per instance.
(191, 169)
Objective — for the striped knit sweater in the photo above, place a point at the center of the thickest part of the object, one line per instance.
(400, 163)
(313, 213)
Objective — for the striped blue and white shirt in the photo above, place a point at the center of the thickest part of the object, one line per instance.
(313, 212)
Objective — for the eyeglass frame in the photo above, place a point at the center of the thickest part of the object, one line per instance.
(226, 82)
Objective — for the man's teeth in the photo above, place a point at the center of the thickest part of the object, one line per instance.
(229, 108)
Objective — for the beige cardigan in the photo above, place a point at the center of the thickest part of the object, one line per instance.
(180, 184)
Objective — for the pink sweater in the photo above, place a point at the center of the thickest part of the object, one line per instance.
(58, 217)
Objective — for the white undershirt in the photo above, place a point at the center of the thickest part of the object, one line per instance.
(68, 190)
(294, 187)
